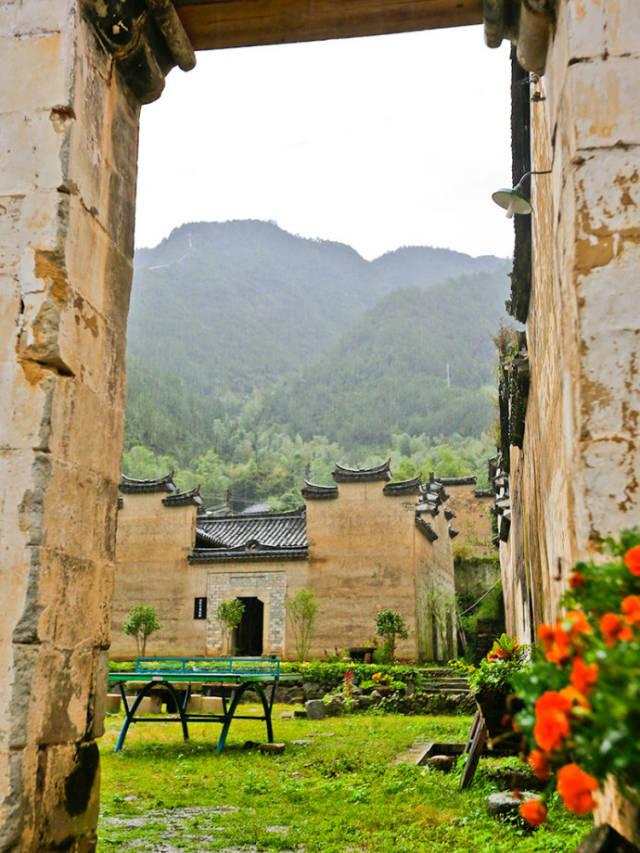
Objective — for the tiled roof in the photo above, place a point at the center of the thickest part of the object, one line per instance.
(129, 485)
(404, 487)
(262, 536)
(311, 491)
(182, 498)
(425, 528)
(457, 481)
(348, 475)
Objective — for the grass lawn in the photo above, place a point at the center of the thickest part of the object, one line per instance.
(337, 793)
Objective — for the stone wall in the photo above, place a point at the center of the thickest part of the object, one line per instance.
(361, 560)
(436, 617)
(153, 544)
(68, 136)
(577, 476)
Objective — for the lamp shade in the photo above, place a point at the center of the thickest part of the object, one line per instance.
(512, 200)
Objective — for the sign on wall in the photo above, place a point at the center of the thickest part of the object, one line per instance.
(200, 607)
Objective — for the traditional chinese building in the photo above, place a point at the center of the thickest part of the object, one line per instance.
(362, 545)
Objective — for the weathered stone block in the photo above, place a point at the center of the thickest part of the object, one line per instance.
(62, 695)
(32, 153)
(41, 72)
(272, 748)
(623, 28)
(584, 24)
(505, 803)
(314, 709)
(31, 19)
(86, 529)
(614, 116)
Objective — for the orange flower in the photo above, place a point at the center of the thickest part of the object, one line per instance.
(575, 697)
(631, 609)
(632, 560)
(552, 720)
(584, 675)
(614, 629)
(539, 763)
(556, 643)
(576, 789)
(576, 580)
(534, 812)
(579, 624)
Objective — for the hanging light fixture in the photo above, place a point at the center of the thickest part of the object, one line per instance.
(514, 200)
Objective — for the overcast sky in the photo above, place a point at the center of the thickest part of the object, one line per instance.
(376, 142)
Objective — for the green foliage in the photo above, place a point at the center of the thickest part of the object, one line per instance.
(331, 675)
(489, 607)
(390, 625)
(498, 669)
(302, 608)
(141, 621)
(230, 613)
(262, 416)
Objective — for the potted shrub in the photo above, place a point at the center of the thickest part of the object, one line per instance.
(492, 684)
(581, 691)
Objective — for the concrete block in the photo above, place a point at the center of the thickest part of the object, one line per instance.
(211, 705)
(113, 703)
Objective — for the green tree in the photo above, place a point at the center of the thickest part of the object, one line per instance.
(141, 621)
(390, 625)
(229, 613)
(302, 609)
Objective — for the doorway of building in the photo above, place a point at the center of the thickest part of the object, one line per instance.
(249, 632)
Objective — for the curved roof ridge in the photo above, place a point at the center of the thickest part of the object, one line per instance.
(315, 491)
(403, 487)
(158, 484)
(343, 474)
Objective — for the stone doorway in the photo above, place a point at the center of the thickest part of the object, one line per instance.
(248, 639)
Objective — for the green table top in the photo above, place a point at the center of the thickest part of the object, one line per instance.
(211, 677)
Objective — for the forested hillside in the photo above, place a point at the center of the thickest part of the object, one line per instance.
(256, 357)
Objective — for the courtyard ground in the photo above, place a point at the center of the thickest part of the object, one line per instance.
(334, 790)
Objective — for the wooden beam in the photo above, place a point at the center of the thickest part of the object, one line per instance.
(213, 24)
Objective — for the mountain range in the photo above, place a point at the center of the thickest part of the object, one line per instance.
(309, 335)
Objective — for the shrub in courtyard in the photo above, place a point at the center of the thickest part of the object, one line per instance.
(302, 609)
(141, 622)
(229, 614)
(582, 689)
(390, 625)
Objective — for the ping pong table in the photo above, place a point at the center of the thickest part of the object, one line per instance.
(233, 676)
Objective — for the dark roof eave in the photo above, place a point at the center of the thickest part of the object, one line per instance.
(404, 487)
(184, 498)
(220, 555)
(426, 529)
(457, 481)
(312, 491)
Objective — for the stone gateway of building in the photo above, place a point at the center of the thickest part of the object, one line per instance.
(363, 545)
